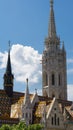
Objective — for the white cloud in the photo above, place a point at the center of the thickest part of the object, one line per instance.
(25, 63)
(70, 92)
(69, 61)
(70, 67)
(3, 60)
(70, 71)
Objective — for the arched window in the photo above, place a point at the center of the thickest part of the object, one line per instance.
(26, 115)
(55, 118)
(59, 79)
(45, 79)
(58, 120)
(53, 79)
(23, 115)
(52, 121)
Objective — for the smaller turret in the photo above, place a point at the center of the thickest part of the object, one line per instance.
(27, 107)
(8, 77)
(27, 95)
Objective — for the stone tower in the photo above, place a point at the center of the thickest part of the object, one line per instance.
(8, 77)
(54, 79)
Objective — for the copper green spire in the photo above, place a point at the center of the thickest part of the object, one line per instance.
(52, 27)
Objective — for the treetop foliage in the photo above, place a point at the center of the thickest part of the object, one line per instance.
(21, 126)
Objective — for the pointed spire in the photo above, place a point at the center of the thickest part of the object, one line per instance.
(8, 68)
(27, 95)
(52, 27)
(8, 77)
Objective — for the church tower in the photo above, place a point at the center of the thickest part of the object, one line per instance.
(54, 79)
(8, 77)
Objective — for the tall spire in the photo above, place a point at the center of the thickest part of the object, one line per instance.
(27, 95)
(52, 27)
(8, 68)
(8, 77)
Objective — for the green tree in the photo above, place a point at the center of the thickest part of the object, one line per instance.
(22, 126)
(35, 127)
(5, 127)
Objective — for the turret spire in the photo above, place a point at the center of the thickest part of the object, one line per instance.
(8, 77)
(8, 68)
(52, 27)
(27, 95)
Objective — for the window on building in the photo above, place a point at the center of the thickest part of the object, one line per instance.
(52, 121)
(26, 115)
(59, 79)
(53, 79)
(23, 115)
(55, 119)
(45, 79)
(58, 120)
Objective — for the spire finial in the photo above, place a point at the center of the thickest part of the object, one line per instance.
(9, 45)
(52, 27)
(27, 81)
(51, 3)
(27, 95)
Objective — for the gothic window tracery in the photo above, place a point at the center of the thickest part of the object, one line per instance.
(45, 79)
(53, 79)
(59, 79)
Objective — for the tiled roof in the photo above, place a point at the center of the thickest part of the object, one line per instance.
(18, 97)
(39, 109)
(6, 102)
(68, 108)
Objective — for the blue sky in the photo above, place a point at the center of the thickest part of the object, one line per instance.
(25, 23)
